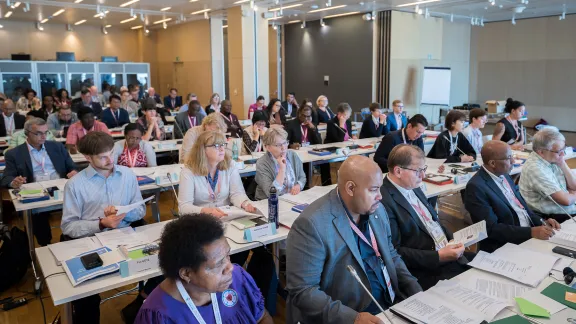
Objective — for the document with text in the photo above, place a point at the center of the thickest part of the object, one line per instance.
(471, 234)
(495, 286)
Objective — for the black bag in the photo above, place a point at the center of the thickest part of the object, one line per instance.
(14, 256)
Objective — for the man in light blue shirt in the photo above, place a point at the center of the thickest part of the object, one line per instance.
(61, 119)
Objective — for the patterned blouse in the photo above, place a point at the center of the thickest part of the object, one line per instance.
(133, 159)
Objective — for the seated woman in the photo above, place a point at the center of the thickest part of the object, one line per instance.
(280, 167)
(451, 144)
(375, 125)
(302, 131)
(252, 136)
(132, 151)
(212, 122)
(29, 101)
(201, 284)
(339, 128)
(210, 180)
(323, 113)
(260, 105)
(275, 114)
(151, 122)
(509, 129)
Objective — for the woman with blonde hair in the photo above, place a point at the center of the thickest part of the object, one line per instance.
(211, 180)
(212, 122)
(214, 105)
(323, 112)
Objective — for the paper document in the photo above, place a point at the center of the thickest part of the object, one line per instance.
(562, 263)
(112, 257)
(69, 249)
(307, 196)
(564, 237)
(471, 234)
(122, 236)
(143, 171)
(286, 215)
(60, 183)
(125, 209)
(233, 212)
(498, 289)
(151, 232)
(519, 264)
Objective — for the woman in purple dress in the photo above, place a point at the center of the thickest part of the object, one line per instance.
(201, 284)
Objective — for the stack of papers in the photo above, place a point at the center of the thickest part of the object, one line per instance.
(69, 249)
(471, 234)
(307, 196)
(286, 215)
(233, 212)
(495, 286)
(519, 264)
(564, 237)
(120, 237)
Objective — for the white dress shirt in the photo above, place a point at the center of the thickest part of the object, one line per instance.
(474, 136)
(398, 120)
(9, 123)
(523, 216)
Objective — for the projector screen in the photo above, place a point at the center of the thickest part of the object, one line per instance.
(436, 86)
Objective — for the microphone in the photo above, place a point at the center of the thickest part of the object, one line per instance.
(355, 275)
(180, 128)
(249, 150)
(569, 275)
(175, 214)
(564, 210)
(446, 138)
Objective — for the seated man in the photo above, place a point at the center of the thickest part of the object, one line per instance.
(89, 200)
(492, 196)
(188, 119)
(338, 230)
(547, 183)
(411, 134)
(11, 120)
(59, 122)
(301, 131)
(87, 123)
(173, 101)
(417, 233)
(20, 137)
(85, 101)
(115, 116)
(37, 160)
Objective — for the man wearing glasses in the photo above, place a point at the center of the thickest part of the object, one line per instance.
(492, 196)
(34, 161)
(417, 234)
(547, 183)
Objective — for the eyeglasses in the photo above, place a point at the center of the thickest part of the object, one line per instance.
(279, 145)
(563, 150)
(418, 171)
(218, 145)
(39, 134)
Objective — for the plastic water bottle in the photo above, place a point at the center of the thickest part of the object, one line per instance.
(273, 207)
(235, 151)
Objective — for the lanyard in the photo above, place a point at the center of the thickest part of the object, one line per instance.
(516, 128)
(11, 126)
(374, 245)
(453, 144)
(213, 195)
(304, 130)
(193, 307)
(228, 119)
(43, 162)
(115, 117)
(131, 161)
(511, 194)
(403, 136)
(192, 121)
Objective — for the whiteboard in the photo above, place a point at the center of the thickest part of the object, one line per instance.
(436, 86)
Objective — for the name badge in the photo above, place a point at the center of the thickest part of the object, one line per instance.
(42, 177)
(305, 144)
(388, 282)
(439, 236)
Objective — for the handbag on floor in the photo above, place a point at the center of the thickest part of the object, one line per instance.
(14, 256)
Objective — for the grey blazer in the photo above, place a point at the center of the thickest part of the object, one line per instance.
(182, 123)
(319, 247)
(267, 173)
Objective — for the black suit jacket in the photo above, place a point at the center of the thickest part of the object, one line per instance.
(334, 133)
(441, 148)
(78, 103)
(294, 109)
(369, 129)
(485, 201)
(19, 121)
(388, 143)
(168, 102)
(295, 133)
(19, 162)
(112, 122)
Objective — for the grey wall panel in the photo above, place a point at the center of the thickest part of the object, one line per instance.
(342, 50)
(492, 80)
(136, 68)
(15, 67)
(560, 85)
(110, 68)
(51, 67)
(80, 68)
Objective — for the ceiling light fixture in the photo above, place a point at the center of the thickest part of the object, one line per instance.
(161, 21)
(80, 22)
(136, 27)
(108, 26)
(125, 4)
(303, 24)
(166, 9)
(200, 11)
(329, 3)
(255, 8)
(274, 26)
(563, 15)
(225, 26)
(451, 17)
(322, 23)
(127, 20)
(8, 14)
(342, 14)
(416, 3)
(285, 7)
(16, 5)
(78, 1)
(427, 14)
(58, 12)
(329, 8)
(206, 15)
(165, 25)
(26, 7)
(104, 31)
(274, 18)
(513, 20)
(43, 21)
(146, 31)
(241, 1)
(294, 21)
(39, 26)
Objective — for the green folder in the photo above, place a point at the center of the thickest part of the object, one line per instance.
(30, 192)
(530, 309)
(516, 319)
(557, 292)
(136, 254)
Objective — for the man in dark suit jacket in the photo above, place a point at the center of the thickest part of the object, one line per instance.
(393, 120)
(290, 105)
(298, 127)
(173, 101)
(115, 116)
(411, 134)
(9, 115)
(85, 100)
(339, 128)
(188, 119)
(37, 160)
(508, 217)
(416, 231)
(375, 125)
(337, 231)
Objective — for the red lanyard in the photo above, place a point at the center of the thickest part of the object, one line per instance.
(42, 163)
(359, 233)
(511, 194)
(228, 119)
(421, 212)
(11, 126)
(304, 133)
(192, 121)
(131, 161)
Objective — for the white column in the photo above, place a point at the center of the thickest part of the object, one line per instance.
(217, 53)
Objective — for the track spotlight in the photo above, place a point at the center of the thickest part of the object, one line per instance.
(39, 26)
(322, 23)
(303, 24)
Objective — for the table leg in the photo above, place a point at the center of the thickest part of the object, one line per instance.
(66, 313)
(310, 173)
(156, 206)
(27, 215)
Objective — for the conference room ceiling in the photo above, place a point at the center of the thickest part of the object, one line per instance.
(147, 12)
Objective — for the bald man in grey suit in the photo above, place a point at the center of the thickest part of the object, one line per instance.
(348, 226)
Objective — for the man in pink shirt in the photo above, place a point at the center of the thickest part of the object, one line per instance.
(86, 123)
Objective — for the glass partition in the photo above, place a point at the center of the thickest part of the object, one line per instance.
(140, 79)
(78, 81)
(50, 83)
(113, 79)
(15, 84)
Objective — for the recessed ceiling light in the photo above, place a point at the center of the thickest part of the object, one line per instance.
(200, 11)
(225, 26)
(416, 3)
(161, 21)
(17, 4)
(58, 12)
(1, 26)
(274, 18)
(286, 7)
(128, 3)
(241, 1)
(293, 21)
(102, 14)
(127, 20)
(8, 14)
(136, 27)
(78, 1)
(44, 20)
(108, 26)
(342, 14)
(165, 9)
(328, 8)
(80, 22)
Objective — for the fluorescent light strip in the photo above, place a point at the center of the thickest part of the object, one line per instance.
(127, 20)
(8, 14)
(274, 18)
(17, 4)
(58, 12)
(293, 21)
(327, 8)
(416, 3)
(343, 14)
(102, 14)
(125, 4)
(165, 9)
(286, 7)
(200, 11)
(108, 26)
(44, 20)
(241, 1)
(80, 22)
(136, 27)
(161, 21)
(78, 1)
(225, 26)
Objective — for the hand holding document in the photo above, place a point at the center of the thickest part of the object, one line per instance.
(233, 212)
(120, 237)
(126, 209)
(471, 234)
